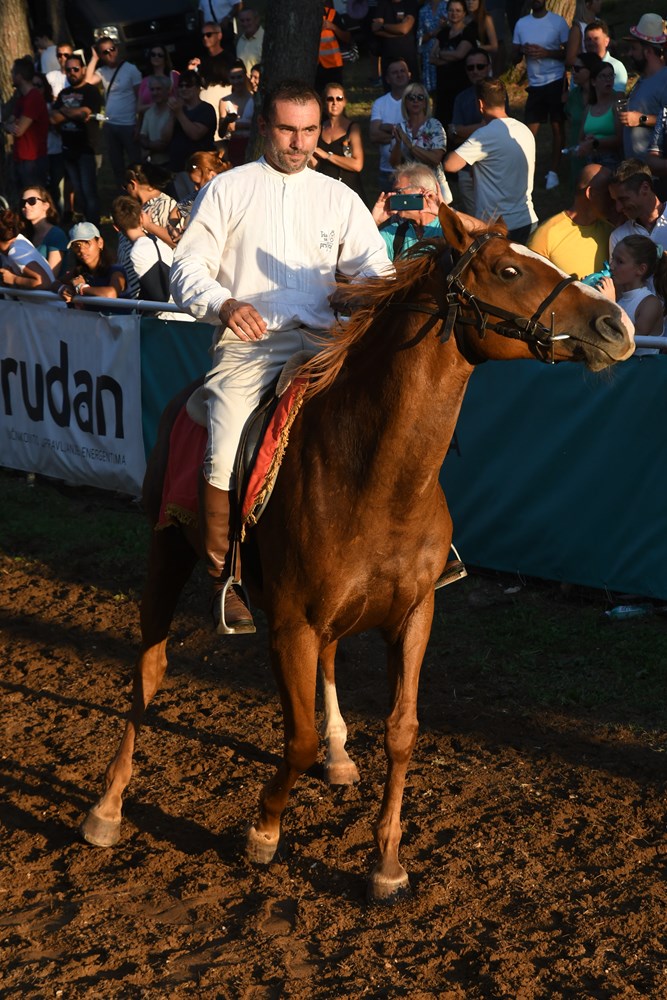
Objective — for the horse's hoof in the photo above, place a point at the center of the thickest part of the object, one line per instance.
(100, 832)
(341, 774)
(261, 847)
(388, 888)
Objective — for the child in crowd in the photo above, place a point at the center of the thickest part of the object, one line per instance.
(634, 261)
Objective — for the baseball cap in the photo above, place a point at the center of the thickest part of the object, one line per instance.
(83, 231)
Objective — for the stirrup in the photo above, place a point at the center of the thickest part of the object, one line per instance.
(244, 626)
(454, 570)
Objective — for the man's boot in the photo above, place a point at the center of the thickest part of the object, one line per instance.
(228, 606)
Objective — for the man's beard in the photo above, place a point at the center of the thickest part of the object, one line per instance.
(283, 161)
(638, 63)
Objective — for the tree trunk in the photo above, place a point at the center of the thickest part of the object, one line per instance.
(291, 45)
(14, 26)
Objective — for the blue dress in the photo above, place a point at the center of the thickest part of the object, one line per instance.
(427, 22)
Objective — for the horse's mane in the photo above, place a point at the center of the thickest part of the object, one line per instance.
(365, 299)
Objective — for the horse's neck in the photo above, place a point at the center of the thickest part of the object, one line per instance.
(404, 411)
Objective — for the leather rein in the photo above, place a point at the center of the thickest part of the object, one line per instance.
(530, 331)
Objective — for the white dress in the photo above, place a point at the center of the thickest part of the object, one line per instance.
(630, 302)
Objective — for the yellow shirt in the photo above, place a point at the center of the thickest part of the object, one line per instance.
(579, 250)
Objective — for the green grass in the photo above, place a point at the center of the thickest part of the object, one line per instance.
(79, 534)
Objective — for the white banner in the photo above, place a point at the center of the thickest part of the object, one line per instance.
(70, 395)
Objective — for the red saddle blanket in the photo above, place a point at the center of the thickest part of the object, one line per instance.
(187, 446)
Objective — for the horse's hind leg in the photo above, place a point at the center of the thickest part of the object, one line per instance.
(170, 563)
(294, 653)
(388, 879)
(339, 769)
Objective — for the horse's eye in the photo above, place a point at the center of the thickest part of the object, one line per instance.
(509, 273)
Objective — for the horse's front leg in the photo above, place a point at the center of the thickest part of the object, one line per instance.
(388, 879)
(339, 769)
(171, 562)
(294, 654)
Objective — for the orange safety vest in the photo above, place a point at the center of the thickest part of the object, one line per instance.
(329, 55)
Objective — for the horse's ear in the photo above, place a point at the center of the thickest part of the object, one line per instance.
(453, 229)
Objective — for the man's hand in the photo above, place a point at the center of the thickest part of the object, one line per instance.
(243, 320)
(381, 211)
(7, 277)
(630, 118)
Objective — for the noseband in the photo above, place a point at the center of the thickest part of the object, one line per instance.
(531, 331)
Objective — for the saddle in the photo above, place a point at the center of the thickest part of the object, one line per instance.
(258, 459)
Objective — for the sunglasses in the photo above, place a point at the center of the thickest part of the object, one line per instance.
(32, 200)
(209, 34)
(63, 55)
(480, 66)
(73, 69)
(106, 52)
(157, 53)
(415, 97)
(332, 97)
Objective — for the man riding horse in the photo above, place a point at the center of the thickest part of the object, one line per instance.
(258, 260)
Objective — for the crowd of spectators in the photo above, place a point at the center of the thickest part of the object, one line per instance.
(441, 128)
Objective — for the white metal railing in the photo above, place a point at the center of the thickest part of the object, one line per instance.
(146, 305)
(102, 303)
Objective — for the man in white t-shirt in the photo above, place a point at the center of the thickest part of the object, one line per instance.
(502, 156)
(57, 77)
(385, 114)
(120, 81)
(631, 188)
(540, 39)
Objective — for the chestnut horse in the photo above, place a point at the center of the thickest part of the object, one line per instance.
(357, 530)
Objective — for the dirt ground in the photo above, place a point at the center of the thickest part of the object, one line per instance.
(534, 840)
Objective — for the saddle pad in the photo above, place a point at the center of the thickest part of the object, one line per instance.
(187, 447)
(262, 477)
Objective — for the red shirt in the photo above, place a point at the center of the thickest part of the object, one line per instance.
(32, 144)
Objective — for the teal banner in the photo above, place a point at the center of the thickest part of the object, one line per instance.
(560, 474)
(173, 354)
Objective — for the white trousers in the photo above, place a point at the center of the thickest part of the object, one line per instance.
(242, 372)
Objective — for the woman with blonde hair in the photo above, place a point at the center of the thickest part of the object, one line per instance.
(420, 138)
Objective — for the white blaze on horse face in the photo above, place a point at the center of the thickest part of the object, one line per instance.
(588, 289)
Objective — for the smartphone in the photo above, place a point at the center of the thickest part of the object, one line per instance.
(406, 202)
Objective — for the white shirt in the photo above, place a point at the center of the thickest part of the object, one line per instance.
(57, 81)
(386, 109)
(502, 155)
(250, 49)
(121, 100)
(551, 32)
(274, 240)
(620, 72)
(22, 252)
(632, 228)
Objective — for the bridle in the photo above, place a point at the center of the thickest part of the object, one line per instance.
(531, 331)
